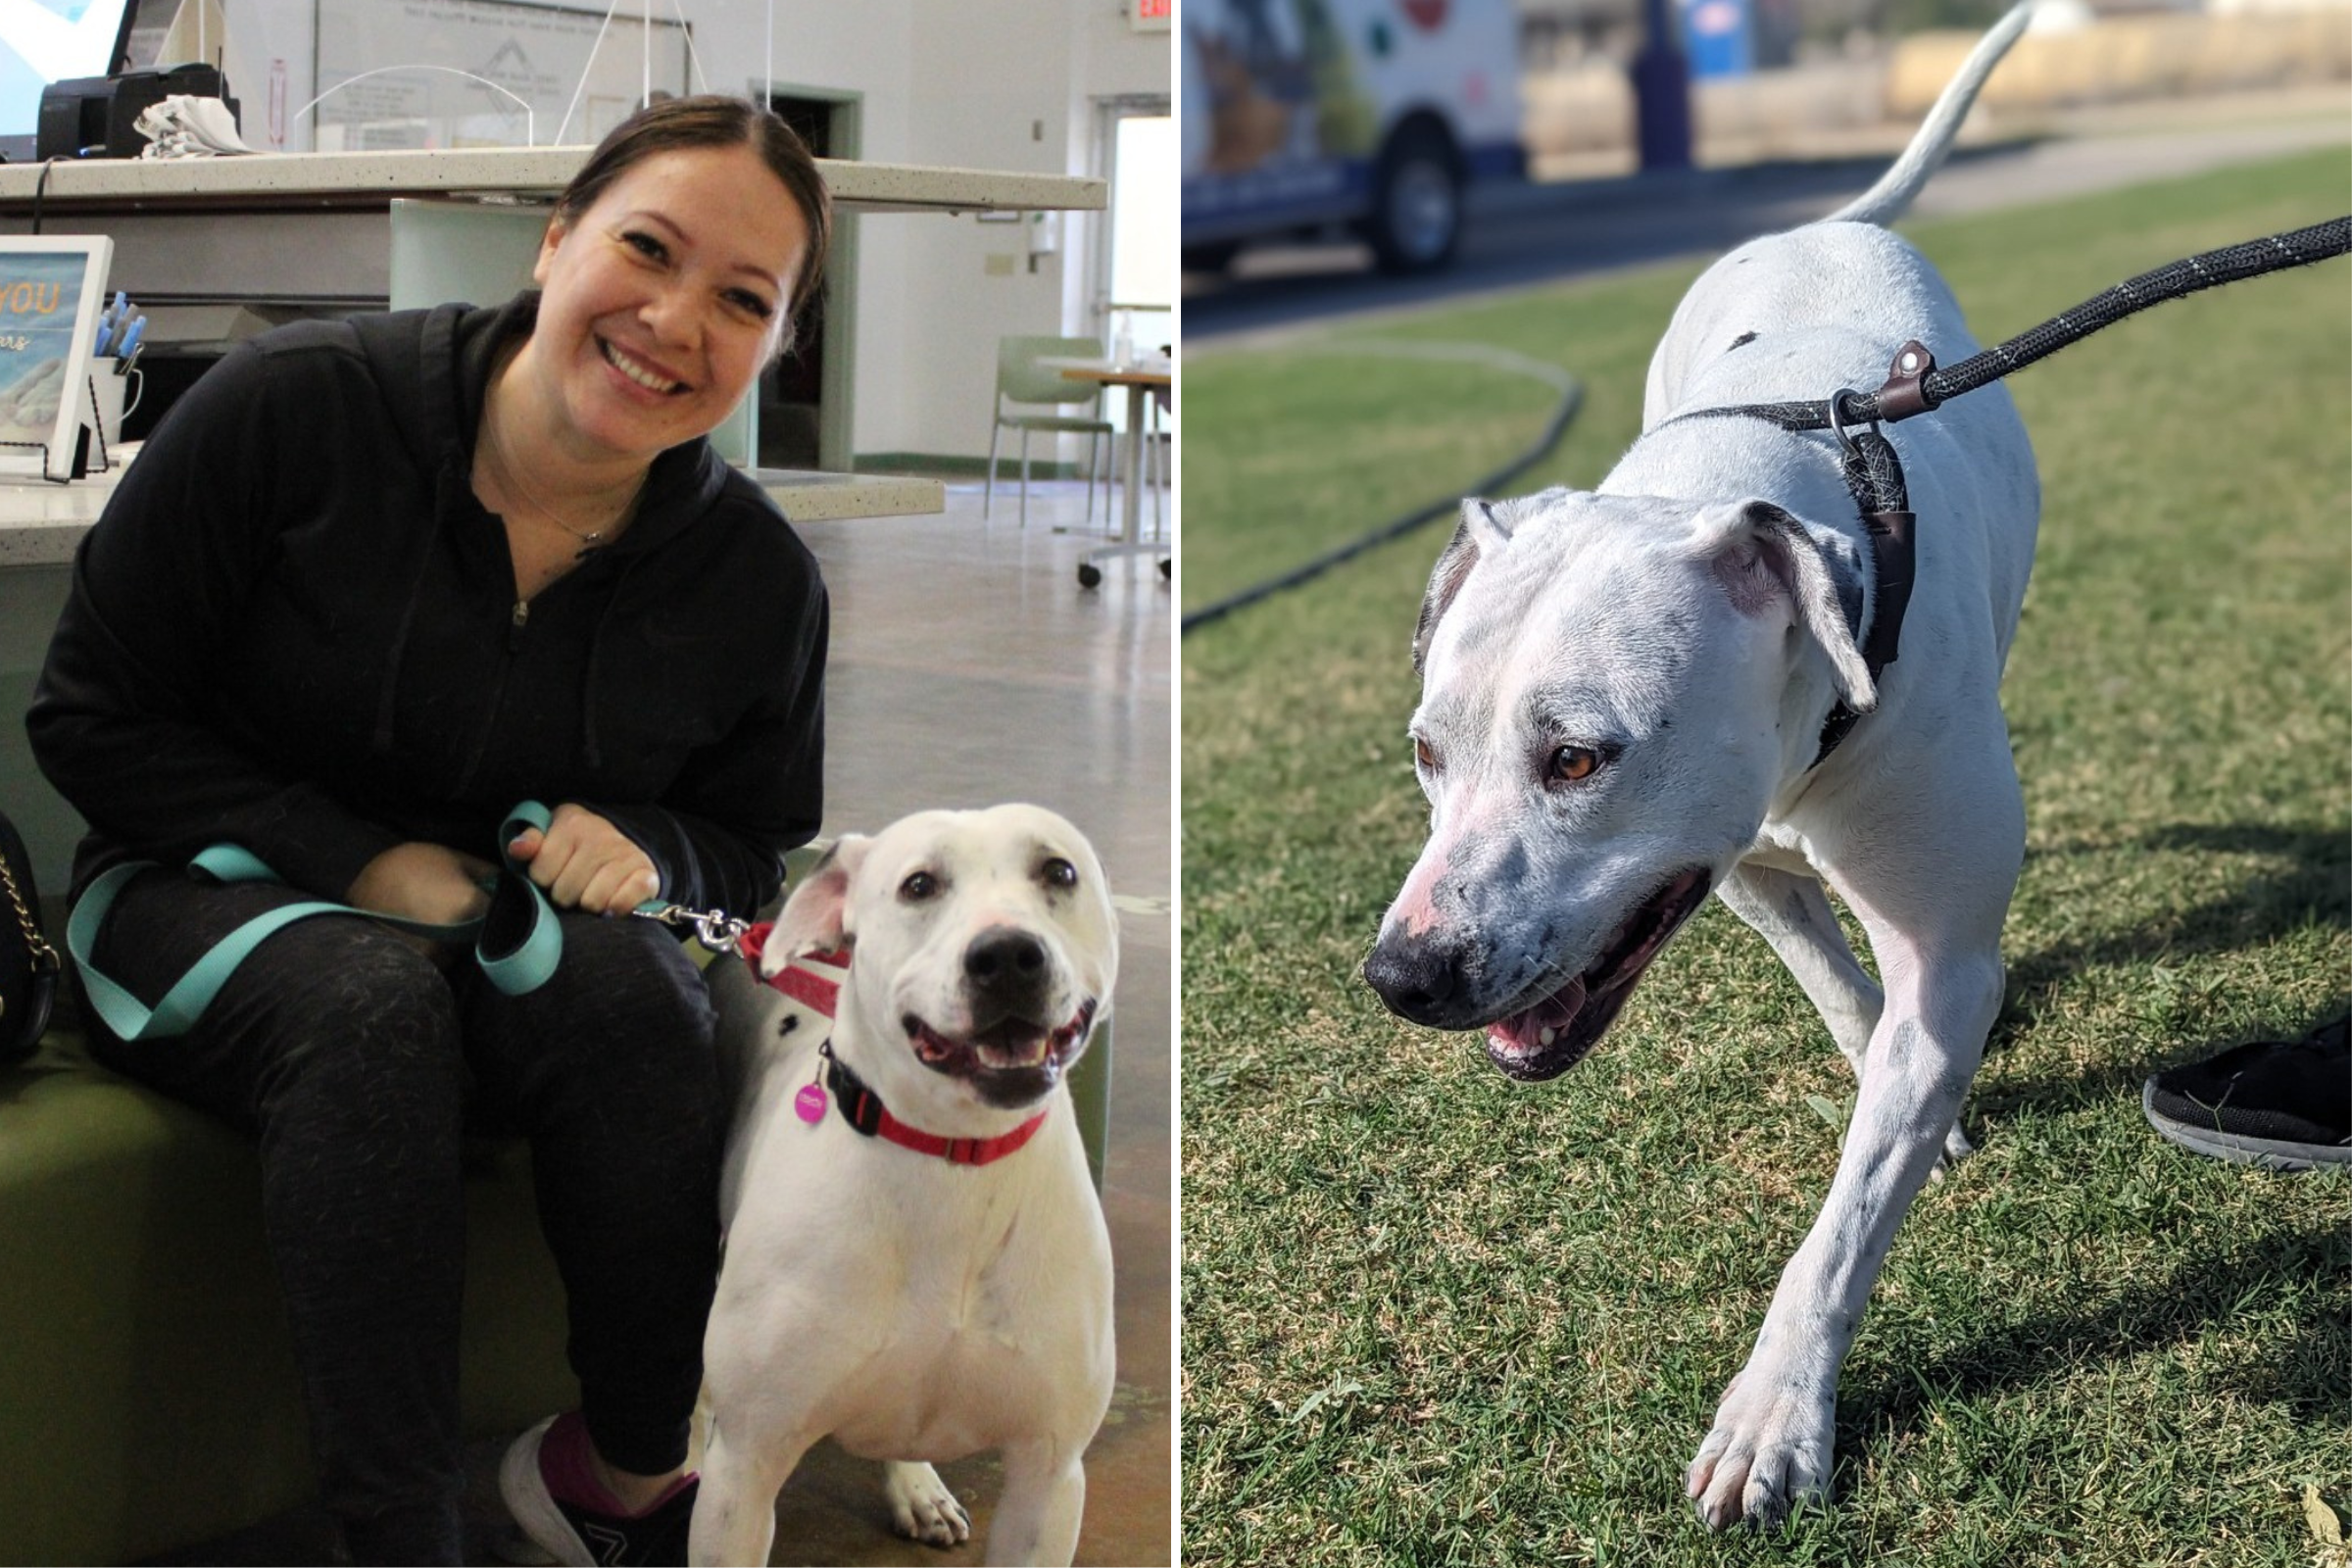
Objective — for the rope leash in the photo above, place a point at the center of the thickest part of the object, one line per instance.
(1922, 386)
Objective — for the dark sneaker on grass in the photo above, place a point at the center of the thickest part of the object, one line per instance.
(2284, 1104)
(561, 1508)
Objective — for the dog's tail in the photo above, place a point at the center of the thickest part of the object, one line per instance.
(1887, 201)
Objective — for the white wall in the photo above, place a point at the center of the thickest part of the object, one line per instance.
(986, 84)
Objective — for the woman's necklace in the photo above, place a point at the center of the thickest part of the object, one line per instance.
(510, 477)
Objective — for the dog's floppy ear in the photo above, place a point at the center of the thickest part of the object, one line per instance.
(1761, 554)
(1483, 529)
(815, 918)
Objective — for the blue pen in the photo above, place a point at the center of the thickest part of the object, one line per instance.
(109, 320)
(130, 335)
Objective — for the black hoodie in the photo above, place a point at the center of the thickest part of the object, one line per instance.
(295, 629)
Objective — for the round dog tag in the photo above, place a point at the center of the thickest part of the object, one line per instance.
(810, 1103)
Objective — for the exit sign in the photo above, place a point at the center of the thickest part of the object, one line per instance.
(1151, 15)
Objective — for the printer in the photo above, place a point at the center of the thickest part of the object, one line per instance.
(92, 117)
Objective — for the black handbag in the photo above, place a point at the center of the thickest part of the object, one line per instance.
(28, 964)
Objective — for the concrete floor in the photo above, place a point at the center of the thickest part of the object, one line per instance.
(969, 668)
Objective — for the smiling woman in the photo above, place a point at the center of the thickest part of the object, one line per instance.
(670, 271)
(370, 583)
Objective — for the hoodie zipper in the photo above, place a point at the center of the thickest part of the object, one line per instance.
(518, 620)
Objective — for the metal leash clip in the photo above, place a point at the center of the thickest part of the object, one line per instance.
(715, 929)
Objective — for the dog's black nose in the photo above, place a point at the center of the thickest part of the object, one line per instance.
(1004, 960)
(1416, 979)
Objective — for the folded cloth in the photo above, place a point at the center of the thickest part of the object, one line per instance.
(183, 125)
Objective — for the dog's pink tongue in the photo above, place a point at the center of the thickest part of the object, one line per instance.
(1523, 1031)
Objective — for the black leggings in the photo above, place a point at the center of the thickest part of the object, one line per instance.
(358, 1063)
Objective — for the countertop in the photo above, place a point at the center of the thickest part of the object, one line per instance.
(312, 179)
(41, 523)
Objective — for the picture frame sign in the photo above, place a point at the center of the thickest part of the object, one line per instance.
(52, 292)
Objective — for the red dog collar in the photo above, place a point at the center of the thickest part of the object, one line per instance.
(814, 980)
(863, 1110)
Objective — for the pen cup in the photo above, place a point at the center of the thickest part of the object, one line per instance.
(114, 398)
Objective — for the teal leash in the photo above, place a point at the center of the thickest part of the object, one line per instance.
(522, 967)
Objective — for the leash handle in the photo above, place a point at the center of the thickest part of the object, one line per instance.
(518, 940)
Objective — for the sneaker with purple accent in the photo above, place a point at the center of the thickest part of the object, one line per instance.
(2286, 1104)
(568, 1515)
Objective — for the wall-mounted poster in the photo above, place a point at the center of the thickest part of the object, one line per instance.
(419, 74)
(52, 291)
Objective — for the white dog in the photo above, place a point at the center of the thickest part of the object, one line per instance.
(1623, 703)
(941, 1283)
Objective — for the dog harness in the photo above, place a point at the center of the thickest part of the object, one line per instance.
(812, 984)
(1874, 476)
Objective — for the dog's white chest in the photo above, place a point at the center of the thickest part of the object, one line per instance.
(932, 1310)
(965, 1365)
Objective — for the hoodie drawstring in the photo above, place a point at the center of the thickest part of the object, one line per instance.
(380, 744)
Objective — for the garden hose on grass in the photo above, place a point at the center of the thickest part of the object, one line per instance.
(1572, 397)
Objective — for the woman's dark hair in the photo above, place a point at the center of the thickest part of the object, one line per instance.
(716, 120)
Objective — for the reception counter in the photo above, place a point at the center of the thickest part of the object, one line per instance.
(373, 179)
(313, 230)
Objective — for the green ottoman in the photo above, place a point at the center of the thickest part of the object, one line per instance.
(145, 1372)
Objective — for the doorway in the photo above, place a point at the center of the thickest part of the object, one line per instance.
(806, 398)
(1134, 276)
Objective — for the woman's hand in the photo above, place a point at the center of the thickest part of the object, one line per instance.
(585, 863)
(428, 882)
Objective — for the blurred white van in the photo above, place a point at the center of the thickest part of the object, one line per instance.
(1376, 114)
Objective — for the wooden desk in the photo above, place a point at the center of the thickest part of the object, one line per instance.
(1141, 381)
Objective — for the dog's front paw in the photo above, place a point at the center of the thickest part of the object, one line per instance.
(1770, 1451)
(922, 1508)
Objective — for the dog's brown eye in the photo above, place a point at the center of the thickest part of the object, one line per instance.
(1572, 762)
(919, 886)
(1423, 757)
(1059, 873)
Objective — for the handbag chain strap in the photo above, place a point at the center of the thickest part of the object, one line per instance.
(44, 957)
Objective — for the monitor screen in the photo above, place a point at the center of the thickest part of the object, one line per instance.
(42, 41)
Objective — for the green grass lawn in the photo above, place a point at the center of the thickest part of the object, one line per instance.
(1430, 1317)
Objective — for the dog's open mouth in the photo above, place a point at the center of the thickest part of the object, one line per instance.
(1549, 1038)
(1010, 1060)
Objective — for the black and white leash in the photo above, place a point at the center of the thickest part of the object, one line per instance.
(1918, 388)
